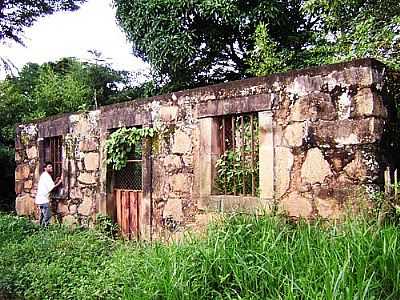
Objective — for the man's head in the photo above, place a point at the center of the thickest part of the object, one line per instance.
(48, 167)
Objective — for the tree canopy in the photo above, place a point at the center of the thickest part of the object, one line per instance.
(16, 15)
(198, 42)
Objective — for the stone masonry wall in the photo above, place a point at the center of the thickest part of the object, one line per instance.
(328, 133)
(76, 202)
(27, 169)
(321, 146)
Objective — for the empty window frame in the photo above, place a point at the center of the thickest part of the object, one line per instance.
(53, 153)
(237, 169)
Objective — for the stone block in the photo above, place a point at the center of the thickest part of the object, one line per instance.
(69, 220)
(244, 204)
(366, 103)
(18, 156)
(357, 169)
(168, 113)
(172, 163)
(173, 208)
(284, 160)
(296, 205)
(303, 85)
(28, 184)
(91, 161)
(86, 178)
(73, 209)
(19, 187)
(85, 208)
(88, 144)
(25, 205)
(22, 172)
(313, 107)
(266, 154)
(315, 168)
(181, 183)
(182, 143)
(348, 132)
(32, 152)
(294, 134)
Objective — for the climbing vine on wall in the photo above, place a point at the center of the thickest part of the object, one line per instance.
(123, 141)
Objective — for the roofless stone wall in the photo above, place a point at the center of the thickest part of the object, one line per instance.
(323, 136)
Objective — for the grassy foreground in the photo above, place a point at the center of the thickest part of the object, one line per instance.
(246, 258)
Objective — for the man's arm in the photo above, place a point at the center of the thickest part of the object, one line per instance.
(58, 182)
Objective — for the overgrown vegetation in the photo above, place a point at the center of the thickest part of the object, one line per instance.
(243, 258)
(124, 142)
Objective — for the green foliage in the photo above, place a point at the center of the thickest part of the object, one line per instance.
(246, 257)
(122, 142)
(235, 165)
(233, 169)
(191, 43)
(333, 31)
(346, 30)
(106, 226)
(266, 58)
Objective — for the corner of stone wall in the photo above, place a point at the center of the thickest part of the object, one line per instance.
(27, 169)
(328, 131)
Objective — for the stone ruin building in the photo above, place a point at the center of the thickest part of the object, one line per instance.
(305, 143)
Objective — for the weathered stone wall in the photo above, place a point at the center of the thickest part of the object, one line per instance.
(321, 133)
(328, 130)
(82, 166)
(76, 201)
(27, 169)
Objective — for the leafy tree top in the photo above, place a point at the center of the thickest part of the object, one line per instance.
(198, 42)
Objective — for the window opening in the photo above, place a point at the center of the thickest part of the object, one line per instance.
(130, 177)
(53, 153)
(237, 170)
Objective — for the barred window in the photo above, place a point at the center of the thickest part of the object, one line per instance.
(237, 171)
(53, 153)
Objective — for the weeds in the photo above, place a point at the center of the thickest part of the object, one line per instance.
(243, 258)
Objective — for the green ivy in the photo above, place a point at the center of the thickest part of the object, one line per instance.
(123, 141)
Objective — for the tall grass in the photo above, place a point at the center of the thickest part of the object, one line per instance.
(243, 258)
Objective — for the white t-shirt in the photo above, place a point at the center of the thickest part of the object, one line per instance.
(45, 186)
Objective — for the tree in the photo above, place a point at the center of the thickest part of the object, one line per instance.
(197, 42)
(16, 15)
(354, 29)
(342, 30)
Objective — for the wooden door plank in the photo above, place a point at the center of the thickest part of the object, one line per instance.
(125, 214)
(117, 195)
(133, 214)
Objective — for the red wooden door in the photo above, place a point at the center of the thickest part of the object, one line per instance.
(127, 203)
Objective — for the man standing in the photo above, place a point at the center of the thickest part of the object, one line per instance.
(45, 186)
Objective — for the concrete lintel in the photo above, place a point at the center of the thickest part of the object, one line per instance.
(247, 104)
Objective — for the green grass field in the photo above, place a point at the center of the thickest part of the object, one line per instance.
(244, 258)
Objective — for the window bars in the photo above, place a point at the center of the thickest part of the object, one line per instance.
(53, 153)
(237, 168)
